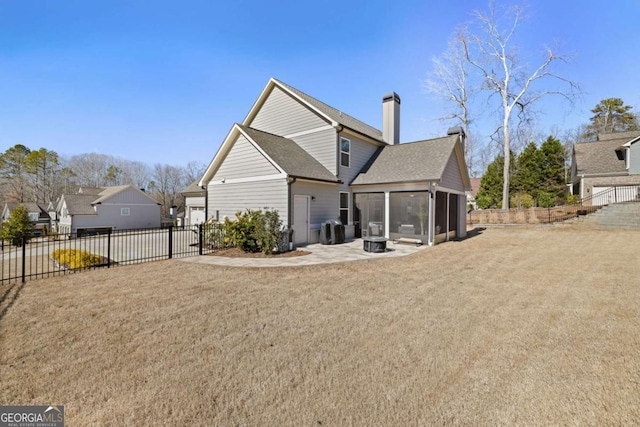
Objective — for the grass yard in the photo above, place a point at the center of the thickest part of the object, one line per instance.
(526, 326)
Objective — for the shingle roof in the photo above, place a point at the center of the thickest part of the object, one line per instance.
(337, 115)
(193, 188)
(292, 158)
(79, 204)
(110, 191)
(409, 162)
(600, 156)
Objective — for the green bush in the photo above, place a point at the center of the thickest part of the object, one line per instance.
(546, 200)
(17, 227)
(572, 198)
(521, 200)
(254, 230)
(75, 258)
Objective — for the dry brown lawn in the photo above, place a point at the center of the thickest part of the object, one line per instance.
(537, 326)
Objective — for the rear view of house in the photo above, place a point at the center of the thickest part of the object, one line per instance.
(313, 163)
(99, 210)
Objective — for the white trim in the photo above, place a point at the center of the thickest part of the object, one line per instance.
(308, 199)
(249, 179)
(363, 137)
(387, 211)
(308, 132)
(449, 190)
(340, 208)
(342, 138)
(313, 181)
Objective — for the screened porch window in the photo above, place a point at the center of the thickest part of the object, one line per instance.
(409, 213)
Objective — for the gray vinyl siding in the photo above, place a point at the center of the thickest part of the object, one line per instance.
(109, 216)
(361, 152)
(634, 159)
(451, 177)
(283, 115)
(325, 206)
(227, 199)
(130, 196)
(194, 201)
(243, 161)
(322, 146)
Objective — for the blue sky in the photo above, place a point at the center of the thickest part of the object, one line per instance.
(163, 82)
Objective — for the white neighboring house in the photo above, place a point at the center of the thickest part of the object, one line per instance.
(98, 210)
(194, 204)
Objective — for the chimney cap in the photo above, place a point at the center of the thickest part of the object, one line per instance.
(456, 130)
(391, 96)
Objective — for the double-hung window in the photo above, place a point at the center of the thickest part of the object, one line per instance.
(345, 152)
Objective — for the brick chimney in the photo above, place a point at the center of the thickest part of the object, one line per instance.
(391, 118)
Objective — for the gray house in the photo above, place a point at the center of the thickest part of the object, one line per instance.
(313, 163)
(610, 162)
(98, 210)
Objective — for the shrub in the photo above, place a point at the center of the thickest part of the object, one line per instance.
(572, 198)
(546, 200)
(521, 200)
(254, 230)
(75, 258)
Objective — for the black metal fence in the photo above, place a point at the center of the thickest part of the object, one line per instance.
(48, 256)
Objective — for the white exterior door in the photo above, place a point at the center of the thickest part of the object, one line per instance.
(300, 219)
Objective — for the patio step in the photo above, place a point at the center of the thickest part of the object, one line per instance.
(620, 215)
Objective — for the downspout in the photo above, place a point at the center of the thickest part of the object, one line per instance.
(206, 203)
(432, 219)
(290, 180)
(339, 128)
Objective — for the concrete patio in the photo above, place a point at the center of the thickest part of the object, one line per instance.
(320, 254)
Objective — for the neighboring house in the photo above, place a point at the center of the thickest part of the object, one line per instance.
(38, 214)
(98, 210)
(194, 204)
(610, 162)
(473, 193)
(314, 163)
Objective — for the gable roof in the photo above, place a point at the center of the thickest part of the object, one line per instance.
(285, 154)
(409, 162)
(32, 207)
(330, 114)
(289, 156)
(193, 189)
(600, 156)
(82, 203)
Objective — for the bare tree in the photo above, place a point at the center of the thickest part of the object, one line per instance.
(492, 51)
(167, 183)
(449, 81)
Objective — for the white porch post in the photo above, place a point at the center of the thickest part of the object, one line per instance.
(448, 216)
(386, 214)
(432, 213)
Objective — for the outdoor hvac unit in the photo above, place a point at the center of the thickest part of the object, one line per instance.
(332, 232)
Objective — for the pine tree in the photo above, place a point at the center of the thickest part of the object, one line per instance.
(609, 116)
(553, 167)
(527, 178)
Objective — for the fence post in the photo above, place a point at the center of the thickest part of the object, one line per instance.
(24, 259)
(170, 241)
(109, 249)
(549, 212)
(200, 238)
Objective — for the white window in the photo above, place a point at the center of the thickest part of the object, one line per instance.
(345, 152)
(34, 216)
(124, 211)
(344, 207)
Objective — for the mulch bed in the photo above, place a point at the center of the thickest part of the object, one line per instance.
(239, 253)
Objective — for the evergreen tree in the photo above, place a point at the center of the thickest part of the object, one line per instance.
(491, 185)
(609, 116)
(553, 167)
(528, 174)
(17, 227)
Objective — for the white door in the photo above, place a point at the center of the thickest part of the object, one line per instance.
(300, 219)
